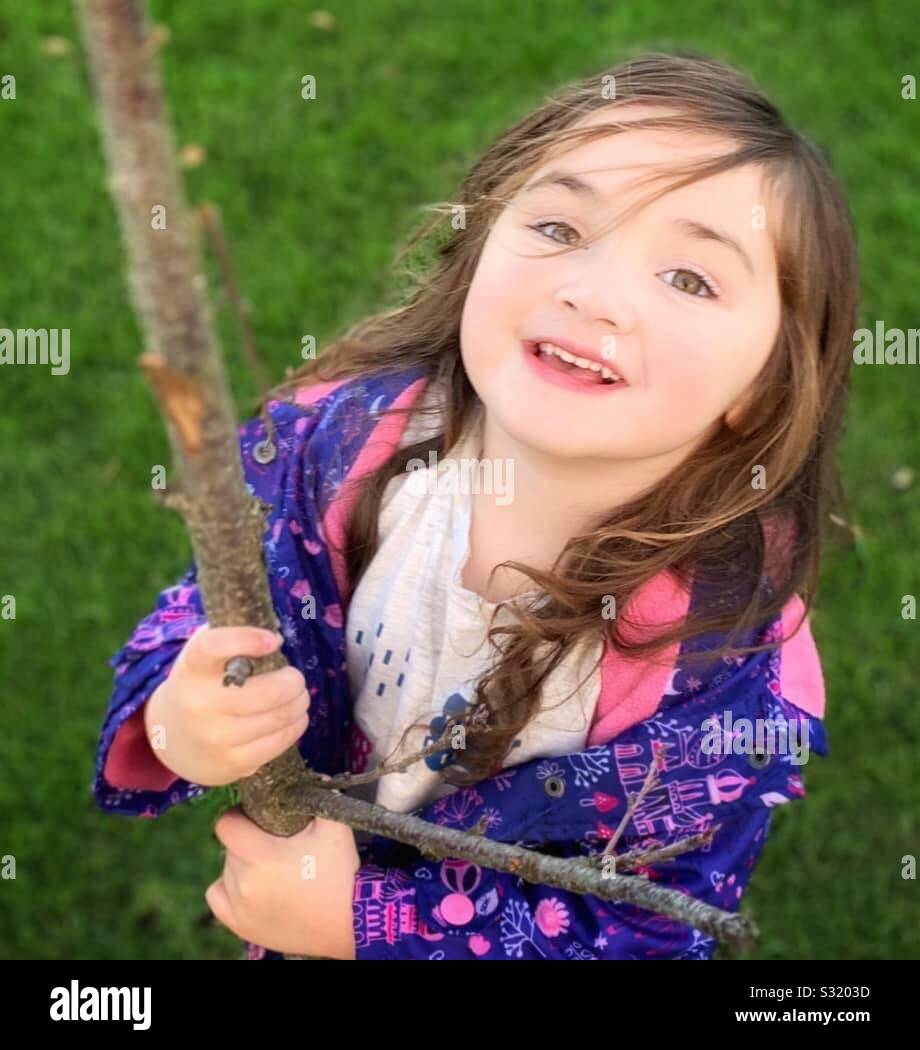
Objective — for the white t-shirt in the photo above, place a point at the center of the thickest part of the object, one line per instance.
(416, 637)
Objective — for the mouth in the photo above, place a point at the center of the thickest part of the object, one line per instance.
(561, 368)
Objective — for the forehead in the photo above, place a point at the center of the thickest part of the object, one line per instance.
(613, 161)
(642, 146)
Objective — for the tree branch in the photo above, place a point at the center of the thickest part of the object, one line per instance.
(181, 361)
(575, 874)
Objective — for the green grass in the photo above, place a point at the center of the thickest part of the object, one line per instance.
(315, 198)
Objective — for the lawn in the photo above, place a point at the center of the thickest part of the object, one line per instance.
(315, 198)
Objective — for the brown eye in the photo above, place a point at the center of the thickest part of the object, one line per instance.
(540, 227)
(692, 284)
(688, 282)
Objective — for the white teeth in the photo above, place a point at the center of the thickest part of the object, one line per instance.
(581, 362)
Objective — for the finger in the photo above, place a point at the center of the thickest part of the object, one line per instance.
(233, 869)
(254, 755)
(332, 830)
(222, 907)
(210, 648)
(242, 837)
(334, 835)
(264, 692)
(230, 829)
(243, 731)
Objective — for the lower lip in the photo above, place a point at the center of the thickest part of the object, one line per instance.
(561, 379)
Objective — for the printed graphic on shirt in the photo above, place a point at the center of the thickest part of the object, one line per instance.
(455, 706)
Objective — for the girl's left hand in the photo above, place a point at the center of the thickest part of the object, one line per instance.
(291, 895)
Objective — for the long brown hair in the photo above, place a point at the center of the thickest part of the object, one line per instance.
(705, 522)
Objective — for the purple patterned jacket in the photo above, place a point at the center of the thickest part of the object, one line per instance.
(407, 907)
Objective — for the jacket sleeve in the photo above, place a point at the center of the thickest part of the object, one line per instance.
(129, 778)
(408, 907)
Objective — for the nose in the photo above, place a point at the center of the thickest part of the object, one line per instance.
(598, 297)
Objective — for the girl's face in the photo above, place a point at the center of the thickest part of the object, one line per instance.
(692, 318)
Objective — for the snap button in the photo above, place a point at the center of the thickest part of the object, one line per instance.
(554, 787)
(759, 759)
(264, 451)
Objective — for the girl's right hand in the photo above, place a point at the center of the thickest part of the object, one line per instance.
(211, 734)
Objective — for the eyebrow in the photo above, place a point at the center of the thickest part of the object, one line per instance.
(569, 182)
(698, 230)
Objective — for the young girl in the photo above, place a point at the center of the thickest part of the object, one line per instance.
(641, 326)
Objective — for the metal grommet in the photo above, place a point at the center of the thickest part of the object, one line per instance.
(264, 451)
(759, 759)
(554, 787)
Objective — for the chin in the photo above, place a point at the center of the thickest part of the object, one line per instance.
(556, 439)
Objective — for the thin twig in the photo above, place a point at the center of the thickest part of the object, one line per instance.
(650, 781)
(643, 858)
(342, 781)
(210, 219)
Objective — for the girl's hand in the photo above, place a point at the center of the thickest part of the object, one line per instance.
(291, 895)
(213, 734)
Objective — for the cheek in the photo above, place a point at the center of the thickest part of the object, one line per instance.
(691, 372)
(494, 288)
(489, 322)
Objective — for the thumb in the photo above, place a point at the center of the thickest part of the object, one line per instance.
(209, 649)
